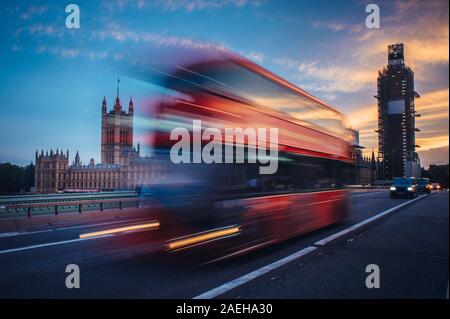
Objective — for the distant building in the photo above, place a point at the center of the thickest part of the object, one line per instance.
(364, 169)
(396, 117)
(117, 133)
(122, 166)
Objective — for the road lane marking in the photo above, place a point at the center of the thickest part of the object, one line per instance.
(326, 240)
(254, 274)
(22, 233)
(50, 244)
(13, 234)
(242, 251)
(263, 270)
(10, 234)
(366, 194)
(95, 235)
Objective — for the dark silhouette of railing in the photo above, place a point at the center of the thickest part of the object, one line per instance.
(101, 202)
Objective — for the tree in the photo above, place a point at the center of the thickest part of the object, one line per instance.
(28, 177)
(14, 179)
(11, 178)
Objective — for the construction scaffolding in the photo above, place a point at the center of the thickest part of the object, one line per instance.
(396, 117)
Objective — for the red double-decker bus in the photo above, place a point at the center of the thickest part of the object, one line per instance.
(231, 208)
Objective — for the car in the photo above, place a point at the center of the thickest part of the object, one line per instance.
(403, 186)
(436, 186)
(423, 185)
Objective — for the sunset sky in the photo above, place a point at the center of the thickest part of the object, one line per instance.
(53, 79)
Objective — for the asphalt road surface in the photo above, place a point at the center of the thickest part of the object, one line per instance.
(408, 244)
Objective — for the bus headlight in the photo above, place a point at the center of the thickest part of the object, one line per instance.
(410, 189)
(393, 188)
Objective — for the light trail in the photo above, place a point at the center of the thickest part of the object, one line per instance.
(148, 226)
(203, 237)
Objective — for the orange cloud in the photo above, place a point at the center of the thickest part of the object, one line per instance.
(432, 142)
(363, 116)
(434, 108)
(433, 100)
(426, 42)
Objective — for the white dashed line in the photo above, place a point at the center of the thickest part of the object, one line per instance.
(254, 274)
(263, 270)
(13, 234)
(49, 244)
(22, 233)
(364, 222)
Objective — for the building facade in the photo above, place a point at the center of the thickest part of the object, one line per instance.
(121, 167)
(364, 168)
(117, 133)
(396, 117)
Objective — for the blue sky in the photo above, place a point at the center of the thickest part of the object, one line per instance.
(53, 79)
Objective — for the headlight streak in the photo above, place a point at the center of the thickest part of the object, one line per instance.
(204, 237)
(148, 226)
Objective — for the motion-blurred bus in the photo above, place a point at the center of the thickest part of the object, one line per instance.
(230, 209)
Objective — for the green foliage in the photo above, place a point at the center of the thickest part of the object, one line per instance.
(14, 179)
(28, 177)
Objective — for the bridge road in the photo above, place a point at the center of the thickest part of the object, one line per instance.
(410, 245)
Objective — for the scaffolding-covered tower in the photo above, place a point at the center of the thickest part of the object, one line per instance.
(396, 118)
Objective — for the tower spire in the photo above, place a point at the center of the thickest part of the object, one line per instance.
(104, 104)
(118, 83)
(117, 105)
(131, 106)
(77, 159)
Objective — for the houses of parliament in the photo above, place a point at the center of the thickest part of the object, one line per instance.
(121, 167)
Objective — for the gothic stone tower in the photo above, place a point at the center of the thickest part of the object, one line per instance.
(50, 171)
(117, 132)
(396, 117)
